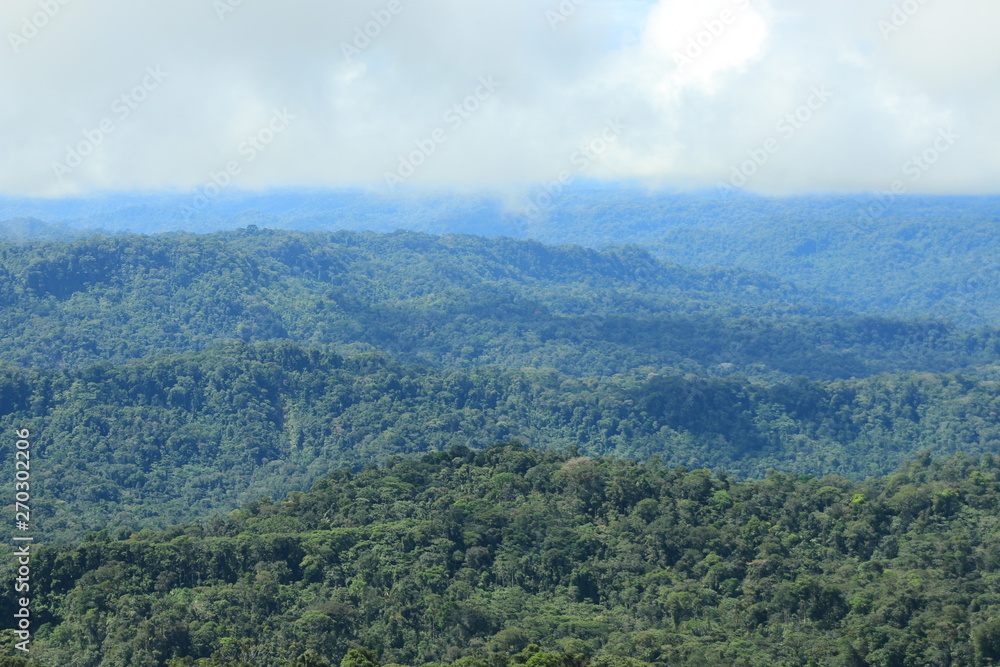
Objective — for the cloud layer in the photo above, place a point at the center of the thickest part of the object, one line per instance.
(772, 96)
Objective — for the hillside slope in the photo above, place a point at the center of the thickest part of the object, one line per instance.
(902, 256)
(512, 556)
(453, 301)
(154, 442)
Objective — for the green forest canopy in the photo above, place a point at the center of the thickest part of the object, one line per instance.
(489, 558)
(172, 379)
(454, 301)
(178, 438)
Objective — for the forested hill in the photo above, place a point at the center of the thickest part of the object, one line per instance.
(904, 256)
(512, 556)
(452, 301)
(941, 262)
(178, 377)
(157, 441)
(21, 230)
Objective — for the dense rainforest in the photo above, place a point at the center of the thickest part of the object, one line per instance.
(701, 466)
(174, 376)
(453, 301)
(895, 255)
(178, 438)
(510, 555)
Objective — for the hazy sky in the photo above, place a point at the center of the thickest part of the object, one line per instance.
(772, 95)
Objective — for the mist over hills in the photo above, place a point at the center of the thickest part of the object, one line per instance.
(910, 256)
(463, 334)
(174, 378)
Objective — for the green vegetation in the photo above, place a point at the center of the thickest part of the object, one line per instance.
(452, 301)
(903, 256)
(153, 442)
(174, 385)
(490, 340)
(908, 257)
(516, 556)
(20, 230)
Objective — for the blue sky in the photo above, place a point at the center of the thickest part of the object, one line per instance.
(778, 96)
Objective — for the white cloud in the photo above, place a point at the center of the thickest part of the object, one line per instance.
(704, 40)
(688, 123)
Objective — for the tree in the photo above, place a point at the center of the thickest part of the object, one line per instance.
(311, 659)
(986, 638)
(360, 657)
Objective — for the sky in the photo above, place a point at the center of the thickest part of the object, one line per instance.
(770, 96)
